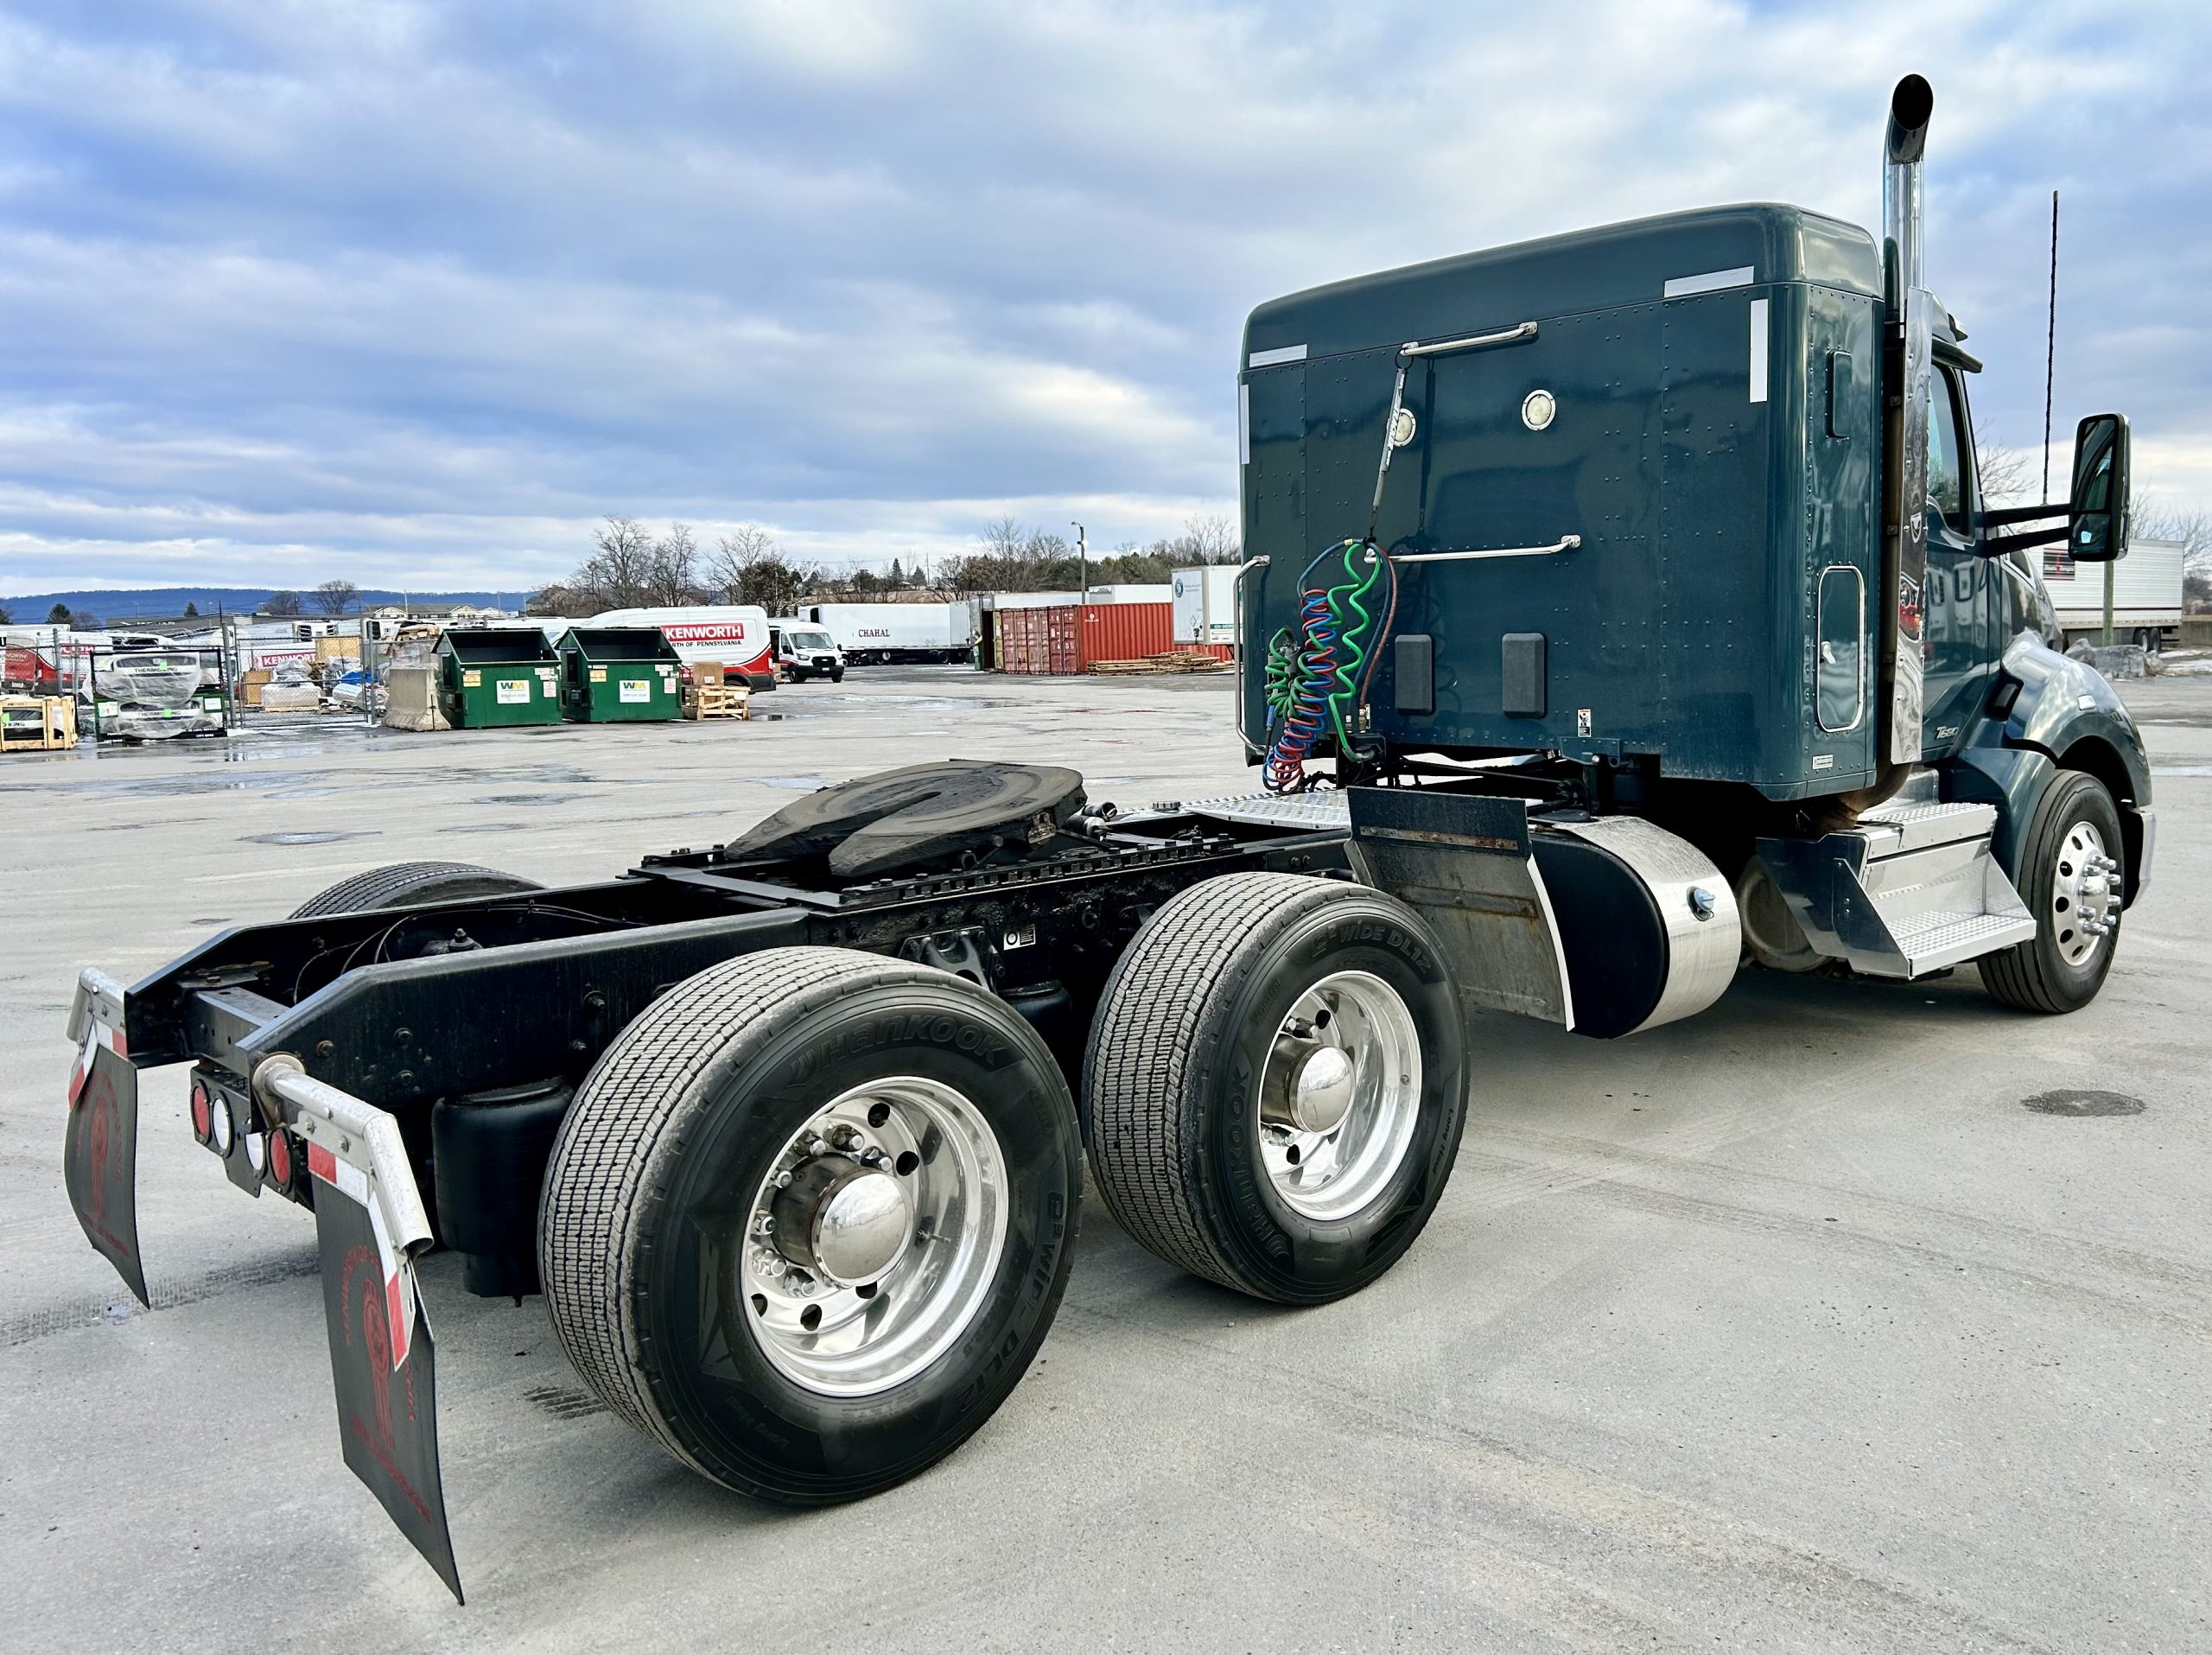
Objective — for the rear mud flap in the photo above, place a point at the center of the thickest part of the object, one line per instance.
(382, 1364)
(99, 1161)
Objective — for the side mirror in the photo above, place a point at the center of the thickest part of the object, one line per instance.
(2097, 512)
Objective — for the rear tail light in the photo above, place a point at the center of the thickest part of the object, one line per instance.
(203, 1112)
(282, 1163)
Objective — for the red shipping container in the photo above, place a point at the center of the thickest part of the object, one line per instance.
(1125, 632)
(1064, 640)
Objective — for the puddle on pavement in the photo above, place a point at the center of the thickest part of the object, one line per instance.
(301, 792)
(485, 827)
(936, 703)
(310, 839)
(2181, 769)
(2081, 1104)
(527, 799)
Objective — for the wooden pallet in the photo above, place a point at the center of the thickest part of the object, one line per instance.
(37, 723)
(1168, 660)
(717, 701)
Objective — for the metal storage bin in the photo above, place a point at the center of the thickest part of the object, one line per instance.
(611, 674)
(495, 676)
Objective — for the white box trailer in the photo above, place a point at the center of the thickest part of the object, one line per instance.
(1159, 592)
(1204, 603)
(2147, 594)
(871, 634)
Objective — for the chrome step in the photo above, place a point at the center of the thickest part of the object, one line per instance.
(1912, 888)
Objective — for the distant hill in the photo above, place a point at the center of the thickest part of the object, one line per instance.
(119, 604)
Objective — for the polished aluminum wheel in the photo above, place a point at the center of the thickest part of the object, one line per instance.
(874, 1239)
(2084, 895)
(1339, 1095)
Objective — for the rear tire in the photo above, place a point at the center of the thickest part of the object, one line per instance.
(2038, 975)
(669, 1298)
(1195, 1058)
(404, 884)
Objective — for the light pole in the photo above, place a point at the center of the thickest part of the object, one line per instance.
(1081, 564)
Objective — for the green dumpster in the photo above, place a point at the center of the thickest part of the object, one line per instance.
(619, 672)
(497, 675)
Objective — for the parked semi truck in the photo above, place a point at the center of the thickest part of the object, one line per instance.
(2146, 595)
(1621, 607)
(877, 634)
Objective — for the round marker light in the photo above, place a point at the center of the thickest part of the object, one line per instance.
(203, 1110)
(219, 1126)
(280, 1159)
(254, 1152)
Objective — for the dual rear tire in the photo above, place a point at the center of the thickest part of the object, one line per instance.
(812, 1212)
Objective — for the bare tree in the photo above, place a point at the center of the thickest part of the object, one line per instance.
(282, 605)
(672, 567)
(616, 575)
(749, 567)
(1004, 538)
(737, 551)
(2009, 476)
(335, 597)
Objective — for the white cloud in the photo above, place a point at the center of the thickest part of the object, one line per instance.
(423, 288)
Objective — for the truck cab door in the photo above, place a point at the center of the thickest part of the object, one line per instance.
(1961, 600)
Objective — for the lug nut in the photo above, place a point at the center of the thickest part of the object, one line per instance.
(784, 1179)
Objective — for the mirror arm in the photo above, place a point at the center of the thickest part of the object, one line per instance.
(1996, 545)
(2010, 515)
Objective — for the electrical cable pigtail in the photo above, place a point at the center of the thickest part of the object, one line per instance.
(1316, 676)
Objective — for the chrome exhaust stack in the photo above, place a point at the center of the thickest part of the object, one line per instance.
(1910, 318)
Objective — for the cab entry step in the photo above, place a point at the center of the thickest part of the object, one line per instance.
(1912, 888)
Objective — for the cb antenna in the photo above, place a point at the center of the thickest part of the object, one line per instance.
(2050, 347)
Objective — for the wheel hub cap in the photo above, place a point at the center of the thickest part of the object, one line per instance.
(873, 1236)
(848, 1223)
(1320, 1090)
(2084, 893)
(1339, 1096)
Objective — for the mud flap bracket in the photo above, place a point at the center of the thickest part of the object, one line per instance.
(99, 1158)
(383, 1360)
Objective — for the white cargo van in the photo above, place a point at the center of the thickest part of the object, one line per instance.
(805, 650)
(735, 635)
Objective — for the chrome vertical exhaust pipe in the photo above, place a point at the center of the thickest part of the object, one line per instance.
(1910, 318)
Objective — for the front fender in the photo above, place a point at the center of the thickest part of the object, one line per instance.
(2051, 711)
(2062, 702)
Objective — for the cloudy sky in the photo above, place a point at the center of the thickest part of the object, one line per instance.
(411, 293)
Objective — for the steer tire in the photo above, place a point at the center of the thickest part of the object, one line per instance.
(1174, 1070)
(405, 884)
(2034, 974)
(676, 1134)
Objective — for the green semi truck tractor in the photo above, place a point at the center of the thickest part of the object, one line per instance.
(1673, 529)
(1618, 606)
